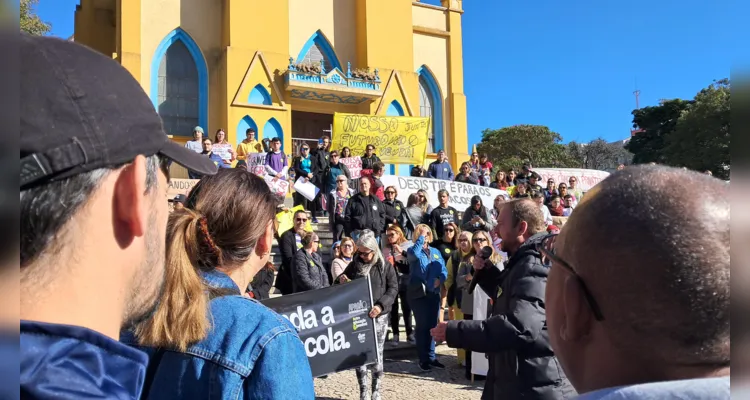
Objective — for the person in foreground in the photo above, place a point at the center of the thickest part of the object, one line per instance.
(384, 286)
(521, 361)
(93, 216)
(206, 339)
(646, 317)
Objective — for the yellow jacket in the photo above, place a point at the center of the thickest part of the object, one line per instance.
(245, 148)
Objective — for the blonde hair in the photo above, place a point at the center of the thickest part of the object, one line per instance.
(418, 229)
(495, 257)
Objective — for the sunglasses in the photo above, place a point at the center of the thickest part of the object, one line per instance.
(301, 219)
(390, 192)
(450, 230)
(365, 253)
(390, 234)
(340, 180)
(478, 240)
(305, 149)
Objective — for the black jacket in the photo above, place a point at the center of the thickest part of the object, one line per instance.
(261, 285)
(368, 162)
(365, 213)
(393, 210)
(522, 364)
(288, 248)
(320, 159)
(383, 281)
(308, 272)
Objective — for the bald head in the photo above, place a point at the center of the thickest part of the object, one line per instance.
(657, 262)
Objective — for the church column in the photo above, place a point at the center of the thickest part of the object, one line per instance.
(128, 33)
(456, 98)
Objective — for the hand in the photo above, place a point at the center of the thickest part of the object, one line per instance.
(310, 175)
(375, 311)
(344, 279)
(478, 263)
(480, 221)
(397, 249)
(475, 219)
(437, 282)
(438, 332)
(469, 277)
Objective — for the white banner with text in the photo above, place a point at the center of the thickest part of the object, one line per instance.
(460, 193)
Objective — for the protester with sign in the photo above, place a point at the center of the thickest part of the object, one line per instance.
(400, 140)
(413, 216)
(394, 252)
(289, 243)
(443, 214)
(440, 168)
(216, 246)
(247, 146)
(428, 274)
(337, 201)
(308, 272)
(384, 287)
(476, 217)
(460, 193)
(302, 166)
(364, 211)
(276, 162)
(585, 178)
(321, 158)
(522, 365)
(223, 148)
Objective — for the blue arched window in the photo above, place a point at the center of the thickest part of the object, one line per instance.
(395, 109)
(179, 84)
(431, 105)
(273, 129)
(319, 48)
(259, 95)
(245, 123)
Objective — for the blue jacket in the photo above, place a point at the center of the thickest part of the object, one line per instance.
(71, 362)
(440, 170)
(250, 353)
(425, 269)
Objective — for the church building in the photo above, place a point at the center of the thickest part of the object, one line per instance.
(284, 67)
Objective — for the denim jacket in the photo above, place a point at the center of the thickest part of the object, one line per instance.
(425, 268)
(250, 353)
(72, 362)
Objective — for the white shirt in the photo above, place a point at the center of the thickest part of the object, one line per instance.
(547, 215)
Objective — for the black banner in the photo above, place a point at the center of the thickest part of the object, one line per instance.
(333, 324)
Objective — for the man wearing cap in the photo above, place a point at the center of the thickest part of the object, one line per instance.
(93, 183)
(197, 142)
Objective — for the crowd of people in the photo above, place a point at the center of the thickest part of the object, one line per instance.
(121, 299)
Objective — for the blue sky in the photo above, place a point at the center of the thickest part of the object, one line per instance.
(572, 65)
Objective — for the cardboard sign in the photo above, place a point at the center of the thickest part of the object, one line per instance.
(333, 324)
(397, 140)
(460, 193)
(180, 186)
(223, 150)
(354, 164)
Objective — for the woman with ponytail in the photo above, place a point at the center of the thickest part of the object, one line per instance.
(205, 338)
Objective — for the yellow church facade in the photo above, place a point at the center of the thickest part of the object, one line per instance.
(284, 67)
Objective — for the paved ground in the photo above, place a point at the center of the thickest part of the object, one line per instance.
(404, 380)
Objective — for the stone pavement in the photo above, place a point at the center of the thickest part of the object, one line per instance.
(404, 380)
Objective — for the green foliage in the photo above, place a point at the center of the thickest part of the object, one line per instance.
(513, 146)
(657, 122)
(701, 137)
(29, 21)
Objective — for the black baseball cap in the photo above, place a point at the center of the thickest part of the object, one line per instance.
(81, 111)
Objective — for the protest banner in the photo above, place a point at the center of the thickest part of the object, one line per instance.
(587, 178)
(180, 186)
(460, 193)
(285, 220)
(333, 324)
(279, 186)
(354, 164)
(256, 163)
(397, 140)
(479, 363)
(223, 150)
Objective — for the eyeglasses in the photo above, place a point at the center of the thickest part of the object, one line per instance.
(547, 248)
(390, 192)
(479, 240)
(563, 187)
(463, 240)
(334, 156)
(301, 219)
(390, 234)
(450, 230)
(347, 245)
(365, 253)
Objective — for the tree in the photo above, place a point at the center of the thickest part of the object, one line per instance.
(29, 21)
(701, 137)
(512, 146)
(657, 123)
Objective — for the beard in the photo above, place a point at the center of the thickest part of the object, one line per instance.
(148, 282)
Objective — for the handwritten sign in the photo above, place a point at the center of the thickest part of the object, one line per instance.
(587, 178)
(279, 187)
(460, 193)
(180, 186)
(398, 140)
(223, 150)
(354, 164)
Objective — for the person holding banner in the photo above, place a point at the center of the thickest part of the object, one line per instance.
(384, 286)
(215, 247)
(247, 146)
(440, 168)
(427, 275)
(467, 175)
(302, 165)
(223, 148)
(276, 163)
